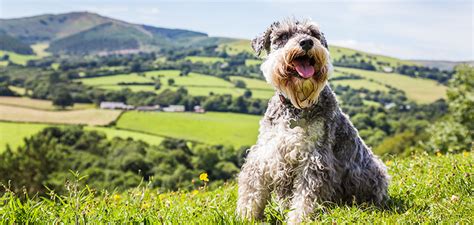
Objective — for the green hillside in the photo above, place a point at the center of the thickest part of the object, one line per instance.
(211, 127)
(445, 196)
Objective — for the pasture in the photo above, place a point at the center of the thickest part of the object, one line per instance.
(211, 127)
(18, 58)
(204, 59)
(37, 103)
(13, 133)
(197, 84)
(417, 89)
(86, 116)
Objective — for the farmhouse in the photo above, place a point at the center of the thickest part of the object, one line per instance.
(174, 108)
(115, 105)
(199, 109)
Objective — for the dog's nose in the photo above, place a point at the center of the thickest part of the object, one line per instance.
(306, 44)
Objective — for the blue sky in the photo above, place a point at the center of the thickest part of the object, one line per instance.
(441, 30)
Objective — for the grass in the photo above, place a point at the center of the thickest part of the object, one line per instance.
(13, 133)
(37, 103)
(235, 47)
(18, 90)
(204, 59)
(423, 190)
(361, 83)
(211, 127)
(86, 116)
(18, 58)
(337, 52)
(40, 49)
(417, 89)
(197, 84)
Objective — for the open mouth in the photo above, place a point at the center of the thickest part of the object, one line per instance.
(304, 66)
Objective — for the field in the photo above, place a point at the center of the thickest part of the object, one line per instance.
(236, 47)
(361, 83)
(212, 127)
(18, 58)
(38, 103)
(86, 116)
(337, 52)
(204, 59)
(13, 133)
(443, 197)
(419, 90)
(196, 84)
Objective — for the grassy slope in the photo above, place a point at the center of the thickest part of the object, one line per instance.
(212, 127)
(424, 189)
(18, 58)
(420, 90)
(196, 84)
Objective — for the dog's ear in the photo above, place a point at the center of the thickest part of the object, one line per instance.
(323, 41)
(263, 41)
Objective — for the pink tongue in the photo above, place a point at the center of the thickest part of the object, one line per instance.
(303, 68)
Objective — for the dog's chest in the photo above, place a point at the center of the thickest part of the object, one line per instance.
(294, 140)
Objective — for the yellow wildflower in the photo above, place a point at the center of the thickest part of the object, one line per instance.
(204, 177)
(438, 154)
(388, 163)
(117, 197)
(194, 192)
(145, 205)
(465, 154)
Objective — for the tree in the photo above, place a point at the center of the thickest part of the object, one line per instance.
(62, 97)
(455, 132)
(247, 93)
(171, 82)
(240, 84)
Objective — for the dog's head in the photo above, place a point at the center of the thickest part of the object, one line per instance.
(297, 63)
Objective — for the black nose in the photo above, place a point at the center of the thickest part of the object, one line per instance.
(306, 44)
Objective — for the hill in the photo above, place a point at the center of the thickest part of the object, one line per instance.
(9, 43)
(411, 201)
(85, 32)
(441, 64)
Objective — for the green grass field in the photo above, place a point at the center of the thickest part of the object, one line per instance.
(204, 59)
(211, 127)
(13, 133)
(419, 90)
(196, 84)
(18, 58)
(423, 190)
(361, 83)
(337, 52)
(236, 47)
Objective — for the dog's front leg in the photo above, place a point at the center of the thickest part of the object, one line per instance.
(310, 186)
(254, 190)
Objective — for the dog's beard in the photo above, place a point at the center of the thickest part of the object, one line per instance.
(302, 92)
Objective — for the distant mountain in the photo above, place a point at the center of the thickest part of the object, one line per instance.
(84, 33)
(442, 64)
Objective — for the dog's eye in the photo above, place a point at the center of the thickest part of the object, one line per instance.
(284, 37)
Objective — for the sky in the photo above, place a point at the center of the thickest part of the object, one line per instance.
(420, 29)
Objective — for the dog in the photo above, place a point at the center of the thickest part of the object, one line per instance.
(307, 152)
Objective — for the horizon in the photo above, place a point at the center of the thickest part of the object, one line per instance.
(401, 29)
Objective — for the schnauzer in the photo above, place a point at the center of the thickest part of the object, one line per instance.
(308, 151)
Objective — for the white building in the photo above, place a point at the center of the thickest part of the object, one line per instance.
(115, 105)
(174, 108)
